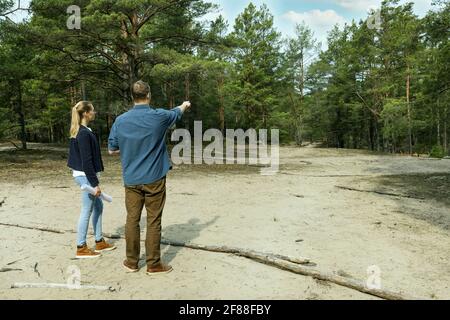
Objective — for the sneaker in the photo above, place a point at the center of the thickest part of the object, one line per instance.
(102, 245)
(159, 269)
(129, 267)
(85, 253)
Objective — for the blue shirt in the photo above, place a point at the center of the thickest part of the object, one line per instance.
(140, 134)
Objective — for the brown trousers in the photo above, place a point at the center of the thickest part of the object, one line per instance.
(154, 197)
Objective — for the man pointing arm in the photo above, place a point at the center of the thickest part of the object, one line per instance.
(139, 136)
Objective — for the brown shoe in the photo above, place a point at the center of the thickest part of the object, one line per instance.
(102, 245)
(130, 268)
(85, 253)
(159, 269)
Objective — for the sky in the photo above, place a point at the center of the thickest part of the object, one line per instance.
(319, 15)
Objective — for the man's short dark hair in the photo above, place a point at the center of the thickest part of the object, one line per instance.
(140, 91)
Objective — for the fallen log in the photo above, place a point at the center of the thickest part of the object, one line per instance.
(20, 285)
(9, 269)
(237, 251)
(336, 279)
(381, 192)
(32, 228)
(287, 263)
(15, 261)
(222, 249)
(294, 265)
(327, 176)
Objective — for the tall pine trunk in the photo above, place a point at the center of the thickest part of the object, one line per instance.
(187, 96)
(438, 127)
(20, 112)
(445, 131)
(220, 84)
(408, 105)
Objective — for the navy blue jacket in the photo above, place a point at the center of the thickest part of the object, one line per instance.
(85, 155)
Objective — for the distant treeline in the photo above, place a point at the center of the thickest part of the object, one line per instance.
(381, 84)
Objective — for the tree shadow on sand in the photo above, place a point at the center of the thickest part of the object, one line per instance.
(433, 187)
(185, 232)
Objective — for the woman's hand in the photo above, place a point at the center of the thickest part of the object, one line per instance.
(98, 192)
(114, 153)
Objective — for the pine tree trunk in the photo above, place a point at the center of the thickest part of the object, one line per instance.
(438, 124)
(445, 131)
(187, 96)
(83, 91)
(408, 82)
(187, 87)
(52, 135)
(171, 97)
(20, 112)
(220, 84)
(127, 63)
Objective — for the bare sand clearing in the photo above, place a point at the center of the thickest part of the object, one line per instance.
(299, 212)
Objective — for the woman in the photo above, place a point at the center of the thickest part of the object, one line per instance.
(85, 160)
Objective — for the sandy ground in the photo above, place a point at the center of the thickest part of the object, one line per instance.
(298, 212)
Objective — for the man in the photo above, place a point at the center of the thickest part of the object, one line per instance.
(139, 137)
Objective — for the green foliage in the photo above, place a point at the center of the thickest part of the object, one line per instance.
(395, 127)
(437, 152)
(257, 61)
(5, 5)
(354, 94)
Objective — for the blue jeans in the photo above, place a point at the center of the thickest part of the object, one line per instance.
(89, 205)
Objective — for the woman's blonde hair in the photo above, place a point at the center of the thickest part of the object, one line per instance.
(77, 115)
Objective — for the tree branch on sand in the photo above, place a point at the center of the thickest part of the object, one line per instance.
(20, 285)
(381, 192)
(300, 266)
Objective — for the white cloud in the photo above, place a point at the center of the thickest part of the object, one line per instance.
(316, 18)
(420, 6)
(358, 5)
(320, 21)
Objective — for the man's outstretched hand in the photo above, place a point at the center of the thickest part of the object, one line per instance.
(185, 106)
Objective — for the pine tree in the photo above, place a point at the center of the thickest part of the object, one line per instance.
(257, 62)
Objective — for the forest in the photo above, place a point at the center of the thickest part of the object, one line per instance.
(383, 88)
